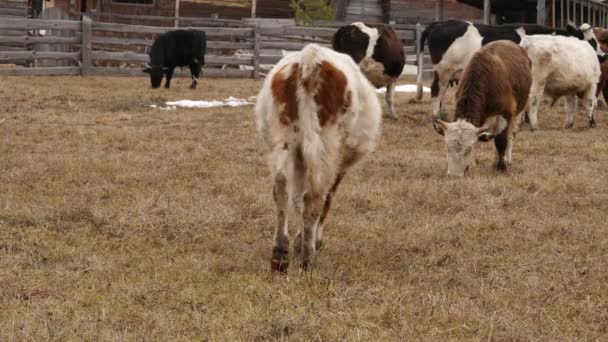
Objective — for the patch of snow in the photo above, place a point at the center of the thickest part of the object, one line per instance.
(405, 88)
(229, 102)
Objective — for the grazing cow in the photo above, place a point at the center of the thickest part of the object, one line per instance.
(319, 115)
(492, 94)
(452, 43)
(176, 48)
(378, 51)
(562, 66)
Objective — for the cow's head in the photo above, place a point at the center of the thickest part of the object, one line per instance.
(460, 139)
(156, 75)
(589, 36)
(573, 31)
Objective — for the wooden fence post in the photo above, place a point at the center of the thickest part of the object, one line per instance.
(419, 62)
(256, 50)
(86, 46)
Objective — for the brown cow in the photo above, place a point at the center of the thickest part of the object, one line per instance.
(492, 95)
(378, 51)
(319, 115)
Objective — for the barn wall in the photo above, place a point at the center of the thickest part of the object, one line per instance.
(229, 9)
(412, 11)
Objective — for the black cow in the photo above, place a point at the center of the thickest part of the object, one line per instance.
(452, 43)
(176, 48)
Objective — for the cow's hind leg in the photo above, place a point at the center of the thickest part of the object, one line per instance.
(589, 103)
(438, 90)
(501, 142)
(169, 74)
(313, 206)
(195, 71)
(390, 94)
(280, 248)
(326, 207)
(536, 98)
(570, 106)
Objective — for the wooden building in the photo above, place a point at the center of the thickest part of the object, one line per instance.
(425, 11)
(555, 13)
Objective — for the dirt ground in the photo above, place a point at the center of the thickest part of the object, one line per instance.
(123, 222)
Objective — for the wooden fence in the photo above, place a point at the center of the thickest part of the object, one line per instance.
(113, 49)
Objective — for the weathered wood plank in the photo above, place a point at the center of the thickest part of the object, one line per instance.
(209, 31)
(29, 24)
(13, 55)
(294, 46)
(209, 73)
(41, 71)
(38, 40)
(298, 31)
(17, 12)
(211, 44)
(129, 56)
(87, 45)
(14, 5)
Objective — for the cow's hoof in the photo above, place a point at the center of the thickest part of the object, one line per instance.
(501, 166)
(307, 264)
(592, 123)
(318, 244)
(279, 265)
(569, 125)
(193, 86)
(280, 259)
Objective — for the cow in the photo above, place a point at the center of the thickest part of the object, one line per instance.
(173, 49)
(602, 85)
(452, 43)
(562, 66)
(319, 115)
(378, 51)
(492, 96)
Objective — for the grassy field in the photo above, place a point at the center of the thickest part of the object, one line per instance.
(123, 222)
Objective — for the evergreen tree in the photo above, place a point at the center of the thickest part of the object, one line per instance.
(308, 11)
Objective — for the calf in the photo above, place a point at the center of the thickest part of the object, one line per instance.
(319, 115)
(453, 42)
(492, 94)
(378, 51)
(562, 66)
(176, 48)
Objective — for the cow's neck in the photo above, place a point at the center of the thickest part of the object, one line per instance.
(471, 102)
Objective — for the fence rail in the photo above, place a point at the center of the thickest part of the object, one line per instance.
(102, 48)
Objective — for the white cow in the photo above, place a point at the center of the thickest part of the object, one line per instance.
(562, 66)
(319, 115)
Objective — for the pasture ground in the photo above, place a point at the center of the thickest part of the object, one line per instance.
(123, 222)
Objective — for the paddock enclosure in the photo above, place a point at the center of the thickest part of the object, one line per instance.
(119, 221)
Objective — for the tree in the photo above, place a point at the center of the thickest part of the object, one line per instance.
(308, 11)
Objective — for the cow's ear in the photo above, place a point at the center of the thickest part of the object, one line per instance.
(146, 70)
(484, 134)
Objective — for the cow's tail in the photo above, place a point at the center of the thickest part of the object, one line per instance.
(313, 149)
(420, 60)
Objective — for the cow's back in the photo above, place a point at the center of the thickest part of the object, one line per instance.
(178, 48)
(567, 65)
(496, 75)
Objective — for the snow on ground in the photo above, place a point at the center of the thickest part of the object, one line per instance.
(235, 102)
(229, 102)
(405, 88)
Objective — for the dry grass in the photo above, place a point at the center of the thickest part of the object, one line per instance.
(123, 222)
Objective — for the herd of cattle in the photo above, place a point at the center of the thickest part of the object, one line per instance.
(319, 113)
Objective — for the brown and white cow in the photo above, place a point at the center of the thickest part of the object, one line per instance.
(378, 51)
(319, 115)
(492, 95)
